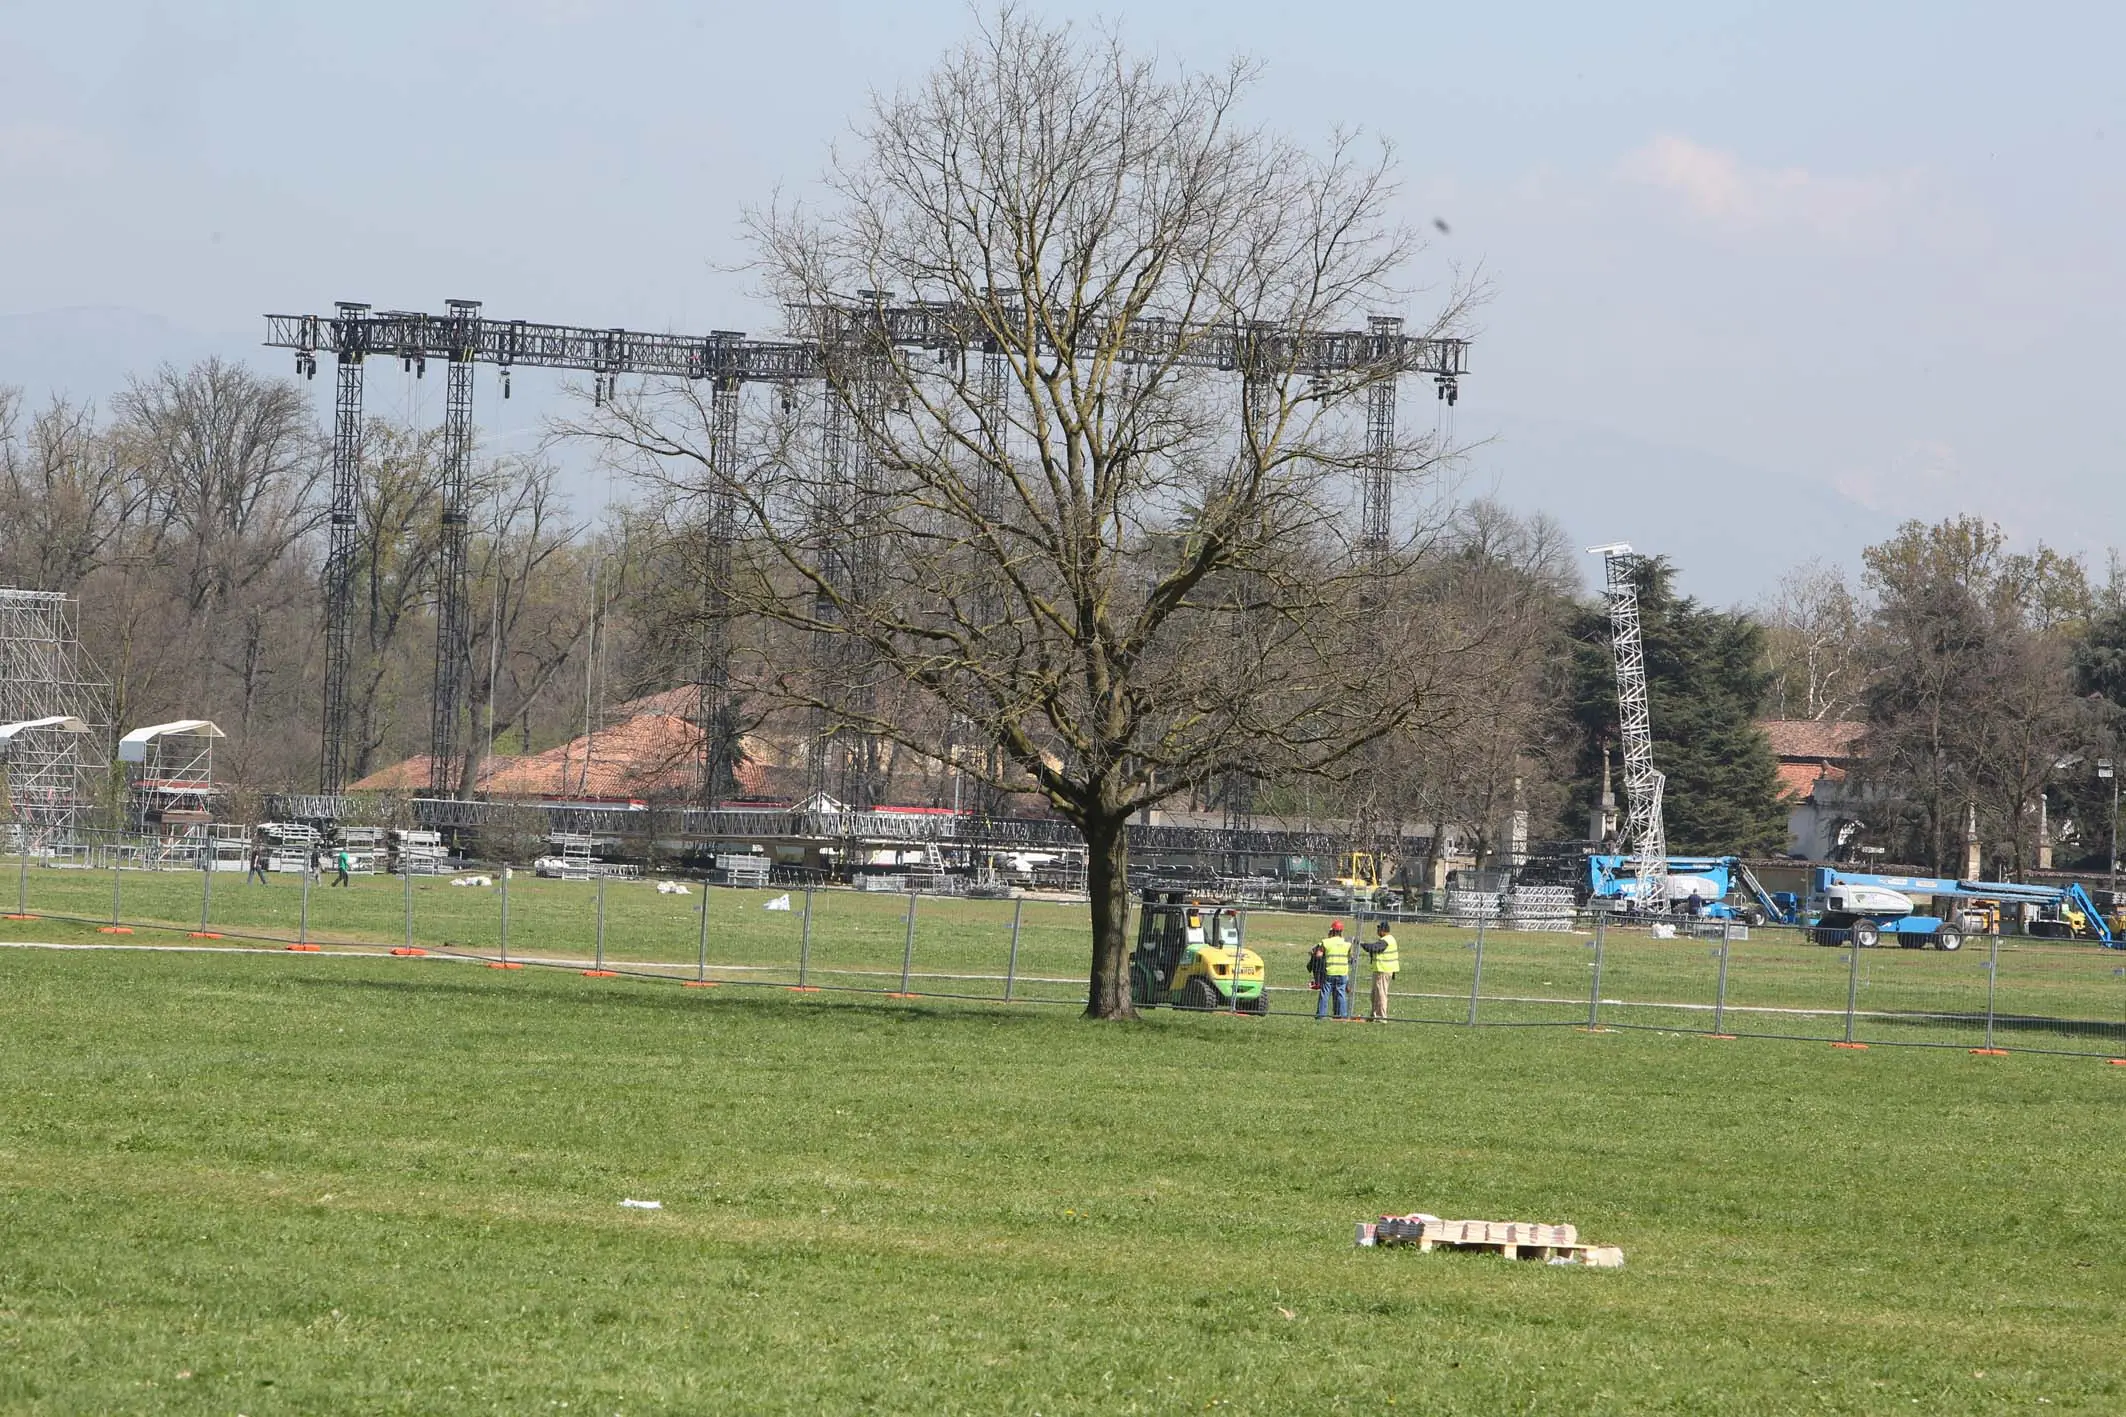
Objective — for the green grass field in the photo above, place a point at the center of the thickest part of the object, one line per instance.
(281, 1184)
(2060, 995)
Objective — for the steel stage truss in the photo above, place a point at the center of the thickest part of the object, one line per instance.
(58, 710)
(835, 339)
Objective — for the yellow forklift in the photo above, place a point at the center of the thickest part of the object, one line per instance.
(1365, 881)
(1189, 955)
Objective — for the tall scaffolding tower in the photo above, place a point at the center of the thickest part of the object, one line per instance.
(1643, 782)
(49, 693)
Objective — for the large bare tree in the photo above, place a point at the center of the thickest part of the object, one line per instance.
(1129, 572)
(66, 494)
(1817, 637)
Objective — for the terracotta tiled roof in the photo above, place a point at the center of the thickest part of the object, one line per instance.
(1797, 781)
(653, 755)
(652, 750)
(412, 774)
(1814, 740)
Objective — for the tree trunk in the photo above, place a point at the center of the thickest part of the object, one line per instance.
(1107, 881)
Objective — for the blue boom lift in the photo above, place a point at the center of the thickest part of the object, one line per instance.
(1869, 909)
(1726, 889)
(1875, 907)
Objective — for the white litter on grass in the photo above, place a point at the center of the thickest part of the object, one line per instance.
(781, 902)
(671, 888)
(474, 881)
(643, 1205)
(1662, 932)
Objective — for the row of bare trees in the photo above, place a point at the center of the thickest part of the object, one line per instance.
(187, 520)
(183, 523)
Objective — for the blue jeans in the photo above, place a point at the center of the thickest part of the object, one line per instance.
(1338, 988)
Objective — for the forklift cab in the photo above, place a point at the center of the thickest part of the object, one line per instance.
(1189, 955)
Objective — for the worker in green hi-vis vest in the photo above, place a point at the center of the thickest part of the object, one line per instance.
(1386, 960)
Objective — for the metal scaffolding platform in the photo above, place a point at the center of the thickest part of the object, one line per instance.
(169, 776)
(54, 720)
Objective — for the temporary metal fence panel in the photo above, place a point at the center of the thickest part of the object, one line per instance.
(1438, 968)
(2060, 996)
(1785, 984)
(1539, 976)
(858, 939)
(1055, 949)
(1648, 982)
(1922, 995)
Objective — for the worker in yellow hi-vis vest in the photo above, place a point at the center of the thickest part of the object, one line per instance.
(1335, 973)
(1386, 961)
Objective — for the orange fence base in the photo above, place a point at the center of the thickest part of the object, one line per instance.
(892, 995)
(114, 929)
(204, 935)
(407, 953)
(17, 917)
(703, 983)
(1856, 1047)
(601, 974)
(1989, 1052)
(1723, 1037)
(305, 949)
(802, 988)
(2117, 1062)
(502, 964)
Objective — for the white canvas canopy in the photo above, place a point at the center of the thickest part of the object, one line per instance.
(133, 748)
(60, 723)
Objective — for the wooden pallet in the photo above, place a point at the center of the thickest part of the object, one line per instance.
(1515, 1239)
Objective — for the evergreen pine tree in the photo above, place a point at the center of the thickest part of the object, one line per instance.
(1706, 684)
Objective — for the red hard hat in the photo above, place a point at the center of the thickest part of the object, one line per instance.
(1336, 924)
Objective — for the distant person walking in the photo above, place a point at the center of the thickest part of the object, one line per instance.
(1386, 960)
(340, 864)
(1336, 973)
(258, 865)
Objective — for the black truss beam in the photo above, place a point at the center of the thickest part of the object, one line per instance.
(519, 344)
(1266, 348)
(930, 325)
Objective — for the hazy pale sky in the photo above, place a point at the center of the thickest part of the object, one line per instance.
(1769, 277)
